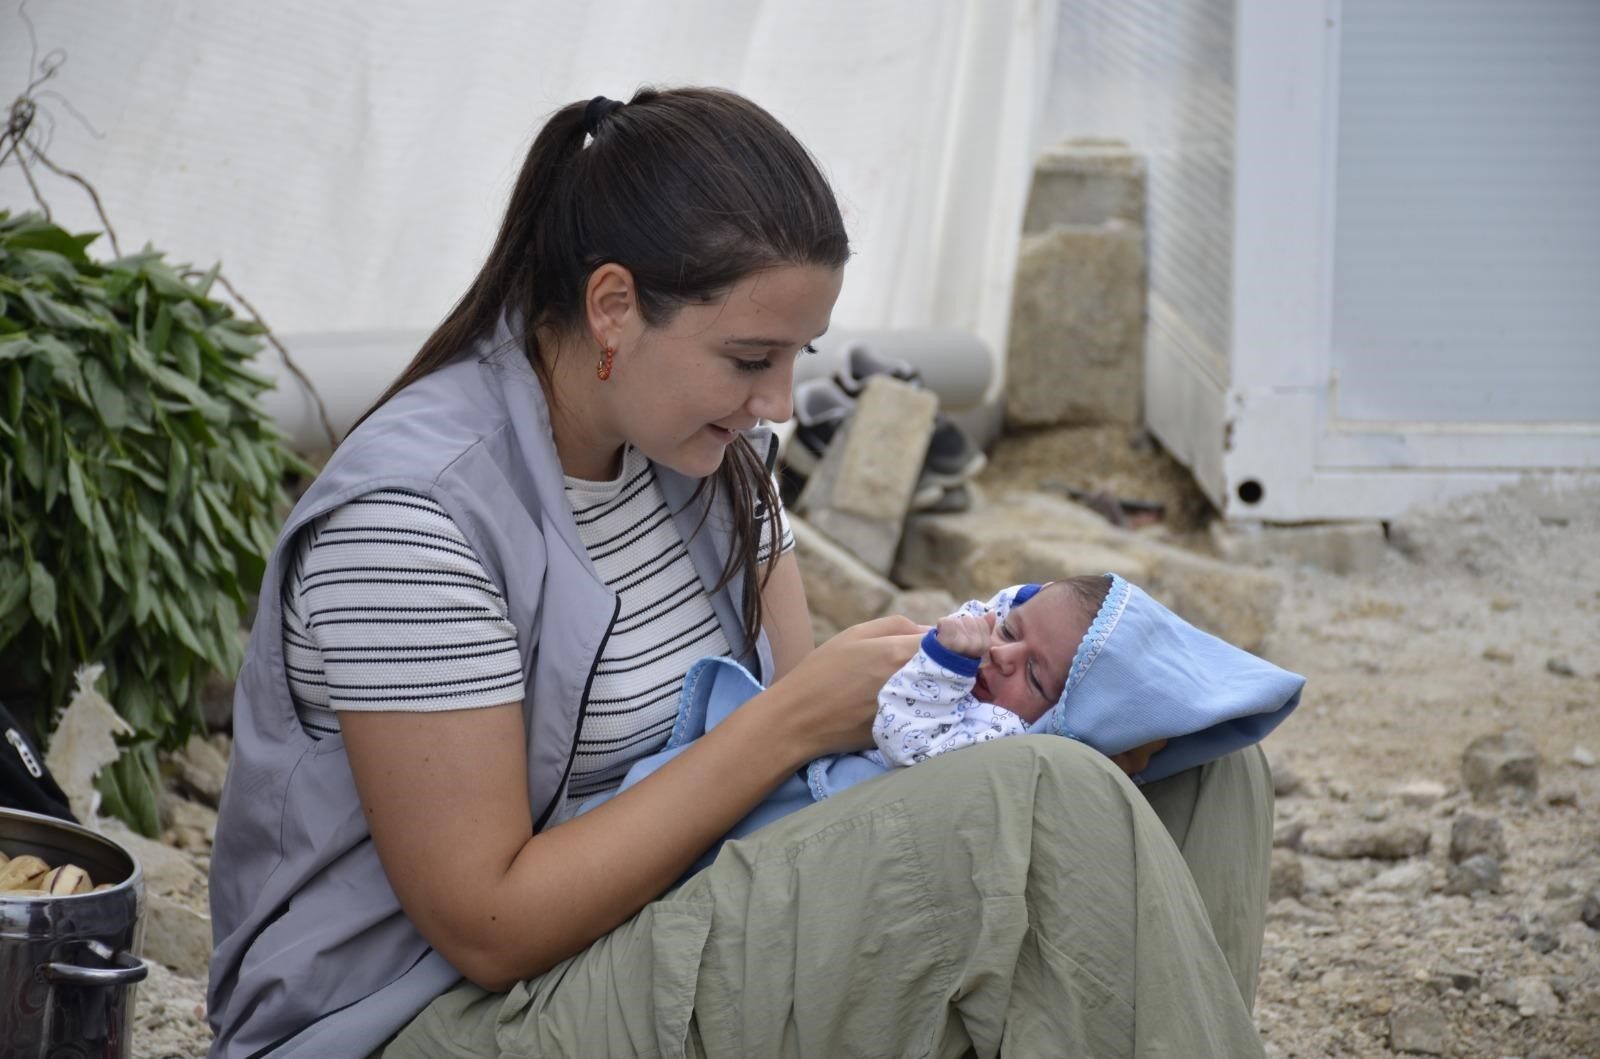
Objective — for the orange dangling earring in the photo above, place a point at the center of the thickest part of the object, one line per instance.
(603, 370)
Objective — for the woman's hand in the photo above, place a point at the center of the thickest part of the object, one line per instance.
(827, 702)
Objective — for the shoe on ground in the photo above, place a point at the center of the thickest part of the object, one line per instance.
(860, 364)
(820, 408)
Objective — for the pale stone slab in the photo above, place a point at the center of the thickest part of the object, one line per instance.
(840, 588)
(1337, 547)
(862, 489)
(1085, 182)
(1031, 537)
(1076, 348)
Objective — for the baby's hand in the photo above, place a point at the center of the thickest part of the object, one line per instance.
(966, 634)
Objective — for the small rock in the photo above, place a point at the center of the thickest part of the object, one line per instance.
(1288, 877)
(1460, 978)
(1530, 995)
(1562, 797)
(1419, 1030)
(201, 770)
(1387, 841)
(1582, 757)
(1412, 878)
(1501, 604)
(1560, 667)
(1562, 985)
(1286, 833)
(1285, 780)
(1503, 765)
(1590, 913)
(1375, 812)
(1328, 877)
(1478, 873)
(1495, 654)
(1471, 835)
(1289, 910)
(1338, 790)
(1558, 891)
(177, 936)
(185, 813)
(1421, 794)
(1543, 940)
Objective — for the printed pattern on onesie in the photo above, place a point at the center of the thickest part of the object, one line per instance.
(927, 708)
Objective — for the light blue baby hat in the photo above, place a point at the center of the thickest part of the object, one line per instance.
(1142, 673)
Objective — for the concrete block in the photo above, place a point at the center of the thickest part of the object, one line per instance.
(862, 489)
(1032, 537)
(1086, 182)
(1337, 547)
(1076, 352)
(1012, 539)
(840, 588)
(1238, 604)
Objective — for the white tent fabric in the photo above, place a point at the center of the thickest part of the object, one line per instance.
(347, 162)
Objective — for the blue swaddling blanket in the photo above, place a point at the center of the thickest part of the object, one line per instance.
(1140, 674)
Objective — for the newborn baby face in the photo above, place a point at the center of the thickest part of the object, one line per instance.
(1030, 653)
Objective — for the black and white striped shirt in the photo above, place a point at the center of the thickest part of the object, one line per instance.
(385, 607)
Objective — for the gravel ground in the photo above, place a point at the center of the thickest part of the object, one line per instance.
(1481, 618)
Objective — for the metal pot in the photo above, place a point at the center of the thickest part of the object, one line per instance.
(67, 964)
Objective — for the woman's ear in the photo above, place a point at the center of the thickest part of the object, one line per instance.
(609, 306)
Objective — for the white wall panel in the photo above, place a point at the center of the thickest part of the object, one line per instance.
(1467, 215)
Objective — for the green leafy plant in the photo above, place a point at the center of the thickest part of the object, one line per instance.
(140, 485)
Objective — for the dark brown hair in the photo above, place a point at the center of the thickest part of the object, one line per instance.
(691, 190)
(1088, 591)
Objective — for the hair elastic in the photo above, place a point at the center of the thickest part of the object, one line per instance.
(598, 110)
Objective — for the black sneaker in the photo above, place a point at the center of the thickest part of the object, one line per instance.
(952, 457)
(819, 410)
(861, 364)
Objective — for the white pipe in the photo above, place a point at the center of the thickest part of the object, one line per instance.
(956, 365)
(350, 370)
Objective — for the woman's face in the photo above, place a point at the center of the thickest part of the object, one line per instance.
(680, 393)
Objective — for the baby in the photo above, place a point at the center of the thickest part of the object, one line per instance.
(1094, 659)
(1110, 667)
(990, 670)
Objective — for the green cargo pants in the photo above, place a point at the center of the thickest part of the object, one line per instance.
(1018, 898)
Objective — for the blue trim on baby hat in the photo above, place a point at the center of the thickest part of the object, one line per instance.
(1105, 620)
(958, 664)
(1025, 593)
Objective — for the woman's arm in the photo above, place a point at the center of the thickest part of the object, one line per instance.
(445, 796)
(786, 615)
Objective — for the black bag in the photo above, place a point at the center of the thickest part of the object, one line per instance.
(24, 781)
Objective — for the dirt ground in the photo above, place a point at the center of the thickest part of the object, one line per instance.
(1482, 616)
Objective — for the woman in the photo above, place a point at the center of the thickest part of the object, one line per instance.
(473, 620)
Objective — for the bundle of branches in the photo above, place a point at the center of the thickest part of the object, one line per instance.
(140, 484)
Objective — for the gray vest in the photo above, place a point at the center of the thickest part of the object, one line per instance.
(313, 953)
